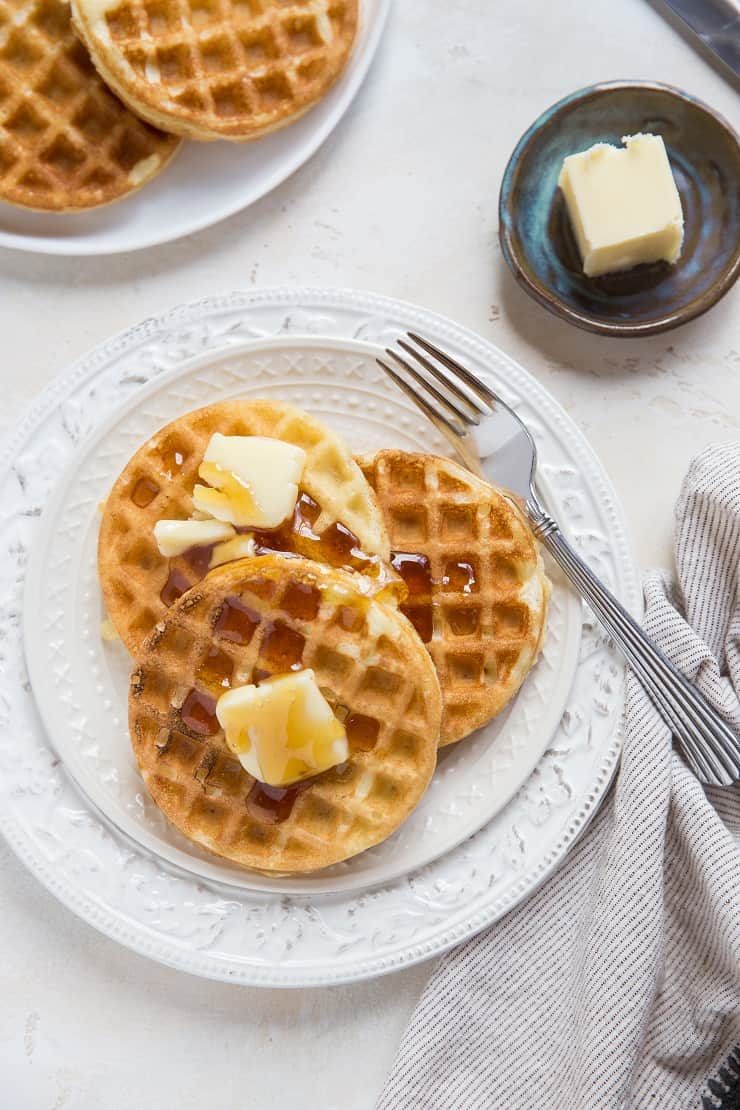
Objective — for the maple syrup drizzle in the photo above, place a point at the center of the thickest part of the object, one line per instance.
(416, 572)
(199, 559)
(306, 513)
(144, 492)
(362, 731)
(176, 585)
(344, 547)
(282, 646)
(302, 600)
(460, 576)
(198, 713)
(217, 669)
(273, 804)
(336, 545)
(422, 620)
(236, 621)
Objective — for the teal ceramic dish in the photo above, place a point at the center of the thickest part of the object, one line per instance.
(536, 236)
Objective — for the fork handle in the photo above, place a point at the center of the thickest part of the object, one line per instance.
(710, 746)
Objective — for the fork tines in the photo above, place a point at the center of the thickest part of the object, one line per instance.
(461, 401)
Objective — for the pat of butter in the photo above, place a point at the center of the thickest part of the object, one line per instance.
(283, 730)
(253, 480)
(241, 547)
(623, 204)
(174, 537)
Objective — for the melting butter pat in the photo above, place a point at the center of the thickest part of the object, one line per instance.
(252, 480)
(623, 204)
(241, 547)
(174, 537)
(283, 730)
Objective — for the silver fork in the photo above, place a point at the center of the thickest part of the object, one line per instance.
(491, 440)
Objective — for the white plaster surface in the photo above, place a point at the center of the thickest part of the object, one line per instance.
(400, 200)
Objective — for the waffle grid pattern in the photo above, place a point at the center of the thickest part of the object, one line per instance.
(220, 68)
(162, 474)
(383, 675)
(65, 141)
(487, 592)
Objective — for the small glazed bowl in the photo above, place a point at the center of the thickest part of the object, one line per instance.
(535, 232)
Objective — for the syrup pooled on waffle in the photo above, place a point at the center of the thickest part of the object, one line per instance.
(477, 588)
(335, 519)
(246, 623)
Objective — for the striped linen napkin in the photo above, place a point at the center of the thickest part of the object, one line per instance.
(618, 983)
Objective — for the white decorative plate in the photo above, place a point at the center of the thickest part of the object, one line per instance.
(81, 683)
(102, 847)
(205, 182)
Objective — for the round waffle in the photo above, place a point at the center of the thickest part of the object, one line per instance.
(219, 69)
(66, 143)
(337, 520)
(477, 588)
(271, 615)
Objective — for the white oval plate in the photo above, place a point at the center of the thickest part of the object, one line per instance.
(205, 183)
(214, 926)
(84, 702)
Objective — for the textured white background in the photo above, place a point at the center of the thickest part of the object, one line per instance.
(401, 200)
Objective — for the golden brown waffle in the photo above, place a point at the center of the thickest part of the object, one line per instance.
(337, 520)
(477, 588)
(66, 143)
(267, 616)
(219, 69)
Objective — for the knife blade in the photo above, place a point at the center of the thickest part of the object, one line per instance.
(716, 23)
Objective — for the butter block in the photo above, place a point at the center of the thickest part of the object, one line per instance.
(252, 480)
(175, 537)
(283, 730)
(241, 547)
(623, 204)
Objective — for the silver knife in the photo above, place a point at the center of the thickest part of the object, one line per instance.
(716, 23)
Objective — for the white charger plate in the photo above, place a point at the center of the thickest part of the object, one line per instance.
(158, 896)
(205, 182)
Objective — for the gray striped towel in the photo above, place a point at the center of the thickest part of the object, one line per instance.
(617, 984)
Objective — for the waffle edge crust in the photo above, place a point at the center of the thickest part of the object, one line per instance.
(219, 69)
(479, 598)
(158, 481)
(66, 142)
(271, 614)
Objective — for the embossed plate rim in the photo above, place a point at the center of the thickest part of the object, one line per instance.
(298, 941)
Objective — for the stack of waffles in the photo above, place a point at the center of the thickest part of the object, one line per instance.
(410, 594)
(95, 98)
